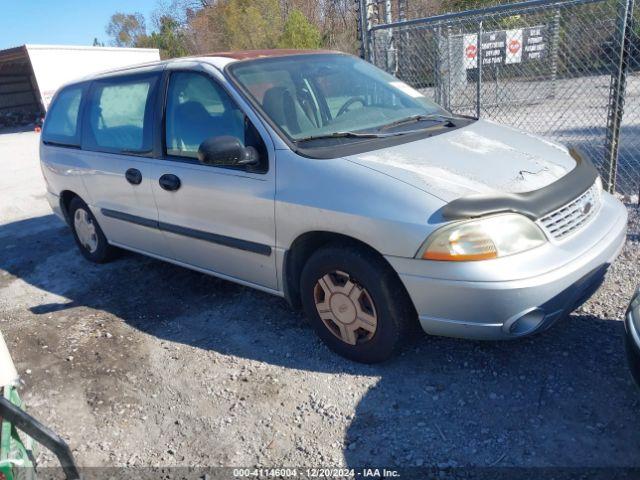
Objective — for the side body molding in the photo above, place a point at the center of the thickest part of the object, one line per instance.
(238, 243)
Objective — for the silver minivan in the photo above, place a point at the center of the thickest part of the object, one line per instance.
(317, 177)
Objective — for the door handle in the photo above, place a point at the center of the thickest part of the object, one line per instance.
(169, 182)
(133, 176)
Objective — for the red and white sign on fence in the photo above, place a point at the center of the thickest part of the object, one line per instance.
(513, 52)
(470, 45)
(505, 47)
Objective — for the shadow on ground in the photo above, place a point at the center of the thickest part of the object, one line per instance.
(17, 129)
(560, 398)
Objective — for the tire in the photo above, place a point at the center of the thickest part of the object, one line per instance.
(356, 303)
(633, 357)
(87, 233)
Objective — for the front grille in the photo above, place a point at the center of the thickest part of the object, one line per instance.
(573, 216)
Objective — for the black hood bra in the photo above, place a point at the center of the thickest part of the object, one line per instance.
(535, 204)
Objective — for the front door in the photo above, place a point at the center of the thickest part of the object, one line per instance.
(220, 219)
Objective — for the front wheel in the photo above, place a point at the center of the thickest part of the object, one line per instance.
(356, 303)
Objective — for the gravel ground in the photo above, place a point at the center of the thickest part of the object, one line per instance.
(142, 363)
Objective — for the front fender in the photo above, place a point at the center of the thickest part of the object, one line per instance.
(339, 196)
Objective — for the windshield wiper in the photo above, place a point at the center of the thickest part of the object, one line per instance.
(402, 121)
(419, 118)
(347, 135)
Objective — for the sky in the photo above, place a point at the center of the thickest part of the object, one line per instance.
(70, 22)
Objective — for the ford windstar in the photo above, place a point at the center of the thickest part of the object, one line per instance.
(315, 176)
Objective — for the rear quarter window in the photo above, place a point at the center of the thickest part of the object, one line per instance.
(62, 120)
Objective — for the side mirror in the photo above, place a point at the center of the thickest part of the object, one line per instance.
(226, 151)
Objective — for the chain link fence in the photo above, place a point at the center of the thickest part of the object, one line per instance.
(568, 70)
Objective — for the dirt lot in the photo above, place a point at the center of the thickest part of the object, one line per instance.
(139, 362)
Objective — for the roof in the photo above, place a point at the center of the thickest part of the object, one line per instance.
(253, 54)
(216, 59)
(13, 54)
(33, 46)
(20, 52)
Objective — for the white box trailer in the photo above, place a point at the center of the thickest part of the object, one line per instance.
(31, 74)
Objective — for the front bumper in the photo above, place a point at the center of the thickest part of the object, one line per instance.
(517, 295)
(632, 337)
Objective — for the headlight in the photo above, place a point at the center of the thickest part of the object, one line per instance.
(482, 239)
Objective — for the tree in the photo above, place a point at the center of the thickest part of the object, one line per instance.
(334, 19)
(126, 28)
(182, 27)
(97, 43)
(169, 39)
(299, 32)
(252, 24)
(205, 30)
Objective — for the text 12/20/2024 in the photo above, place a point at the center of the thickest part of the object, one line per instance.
(334, 473)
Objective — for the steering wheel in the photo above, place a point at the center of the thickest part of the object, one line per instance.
(348, 103)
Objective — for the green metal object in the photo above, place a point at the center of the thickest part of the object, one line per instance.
(16, 448)
(19, 431)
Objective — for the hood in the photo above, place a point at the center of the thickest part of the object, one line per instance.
(483, 157)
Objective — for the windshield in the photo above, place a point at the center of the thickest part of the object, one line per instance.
(311, 96)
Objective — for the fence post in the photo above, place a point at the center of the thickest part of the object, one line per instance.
(361, 22)
(555, 40)
(390, 60)
(617, 92)
(437, 77)
(447, 103)
(364, 21)
(479, 70)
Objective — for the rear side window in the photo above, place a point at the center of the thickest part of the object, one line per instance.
(119, 115)
(61, 124)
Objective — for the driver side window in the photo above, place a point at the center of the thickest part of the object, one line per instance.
(198, 109)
